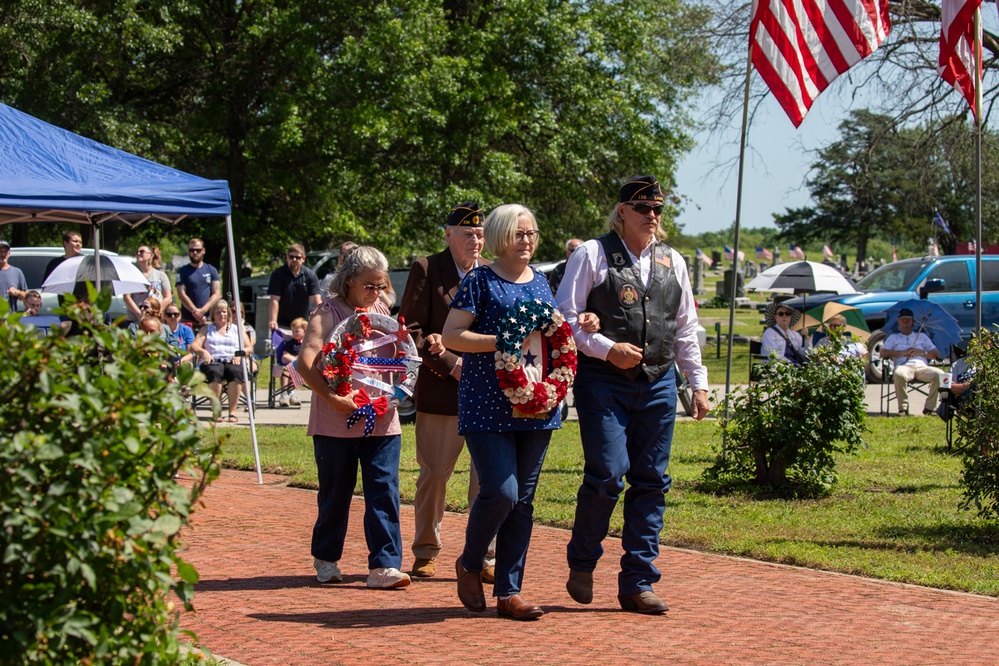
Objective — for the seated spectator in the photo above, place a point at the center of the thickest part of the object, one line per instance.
(218, 346)
(150, 309)
(31, 316)
(835, 331)
(911, 352)
(289, 355)
(183, 336)
(779, 340)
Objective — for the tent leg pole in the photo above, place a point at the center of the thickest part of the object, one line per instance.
(235, 307)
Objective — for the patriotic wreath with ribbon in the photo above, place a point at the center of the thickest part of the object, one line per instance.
(345, 362)
(520, 321)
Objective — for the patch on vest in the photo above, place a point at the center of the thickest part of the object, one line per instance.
(628, 296)
(663, 258)
(617, 259)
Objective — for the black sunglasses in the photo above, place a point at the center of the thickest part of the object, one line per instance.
(195, 249)
(643, 209)
(172, 314)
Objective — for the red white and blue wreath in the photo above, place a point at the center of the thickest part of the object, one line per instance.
(345, 361)
(558, 356)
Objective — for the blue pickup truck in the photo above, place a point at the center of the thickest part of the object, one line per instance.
(949, 281)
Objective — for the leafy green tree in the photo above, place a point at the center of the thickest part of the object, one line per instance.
(879, 180)
(369, 120)
(92, 438)
(977, 428)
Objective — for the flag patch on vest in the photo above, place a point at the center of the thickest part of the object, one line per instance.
(663, 259)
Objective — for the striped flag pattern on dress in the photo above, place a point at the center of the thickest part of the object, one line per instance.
(957, 41)
(799, 48)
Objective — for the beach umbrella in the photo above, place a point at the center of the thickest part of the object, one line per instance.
(929, 318)
(123, 275)
(802, 277)
(817, 317)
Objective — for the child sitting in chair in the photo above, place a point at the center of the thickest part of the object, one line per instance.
(292, 347)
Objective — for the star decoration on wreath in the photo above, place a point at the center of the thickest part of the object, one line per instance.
(535, 397)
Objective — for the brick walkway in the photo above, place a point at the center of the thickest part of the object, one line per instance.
(258, 603)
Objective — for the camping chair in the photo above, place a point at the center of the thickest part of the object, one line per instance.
(756, 360)
(888, 386)
(197, 401)
(276, 392)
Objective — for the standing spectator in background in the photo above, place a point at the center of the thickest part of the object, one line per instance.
(293, 289)
(433, 284)
(198, 285)
(73, 244)
(555, 277)
(159, 283)
(13, 286)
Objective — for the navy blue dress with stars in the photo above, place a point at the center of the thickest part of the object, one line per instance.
(482, 407)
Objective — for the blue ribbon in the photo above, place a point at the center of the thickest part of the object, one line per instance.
(368, 412)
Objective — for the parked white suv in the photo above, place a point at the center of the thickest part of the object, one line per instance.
(32, 262)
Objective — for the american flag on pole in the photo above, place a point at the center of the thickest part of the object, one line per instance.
(764, 253)
(827, 253)
(730, 254)
(703, 257)
(797, 252)
(940, 222)
(957, 40)
(799, 48)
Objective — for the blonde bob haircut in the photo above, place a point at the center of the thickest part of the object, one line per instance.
(616, 223)
(501, 227)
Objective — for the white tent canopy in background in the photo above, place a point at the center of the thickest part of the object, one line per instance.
(48, 174)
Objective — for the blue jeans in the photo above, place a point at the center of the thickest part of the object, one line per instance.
(336, 461)
(626, 426)
(509, 464)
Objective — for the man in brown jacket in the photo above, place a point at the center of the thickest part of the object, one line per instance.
(433, 282)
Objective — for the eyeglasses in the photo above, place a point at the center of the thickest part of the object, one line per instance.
(375, 287)
(195, 250)
(783, 313)
(172, 314)
(643, 208)
(296, 257)
(144, 306)
(529, 236)
(138, 252)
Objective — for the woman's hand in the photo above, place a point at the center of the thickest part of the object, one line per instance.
(435, 344)
(341, 403)
(589, 322)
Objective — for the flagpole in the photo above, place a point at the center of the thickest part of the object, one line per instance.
(978, 168)
(738, 216)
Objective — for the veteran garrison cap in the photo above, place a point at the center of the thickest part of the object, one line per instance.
(467, 214)
(641, 188)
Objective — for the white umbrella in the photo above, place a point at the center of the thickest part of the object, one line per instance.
(802, 277)
(124, 276)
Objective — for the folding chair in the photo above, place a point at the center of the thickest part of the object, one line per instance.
(275, 392)
(756, 360)
(888, 386)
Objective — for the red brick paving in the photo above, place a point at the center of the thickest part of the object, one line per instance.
(258, 603)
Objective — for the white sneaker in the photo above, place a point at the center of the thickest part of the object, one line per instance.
(294, 401)
(387, 578)
(327, 572)
(283, 402)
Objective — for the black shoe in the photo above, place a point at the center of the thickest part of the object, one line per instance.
(929, 412)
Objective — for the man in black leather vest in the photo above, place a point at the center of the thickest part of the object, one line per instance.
(625, 389)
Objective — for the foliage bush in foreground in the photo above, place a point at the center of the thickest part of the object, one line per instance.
(977, 428)
(782, 431)
(91, 438)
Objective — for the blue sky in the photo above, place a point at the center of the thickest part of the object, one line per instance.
(777, 161)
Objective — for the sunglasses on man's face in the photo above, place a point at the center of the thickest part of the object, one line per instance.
(643, 209)
(195, 250)
(296, 257)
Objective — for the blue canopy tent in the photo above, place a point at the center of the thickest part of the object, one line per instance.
(48, 174)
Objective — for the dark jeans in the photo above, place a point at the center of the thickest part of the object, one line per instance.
(626, 426)
(336, 461)
(509, 464)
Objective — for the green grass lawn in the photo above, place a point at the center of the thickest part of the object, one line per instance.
(893, 514)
